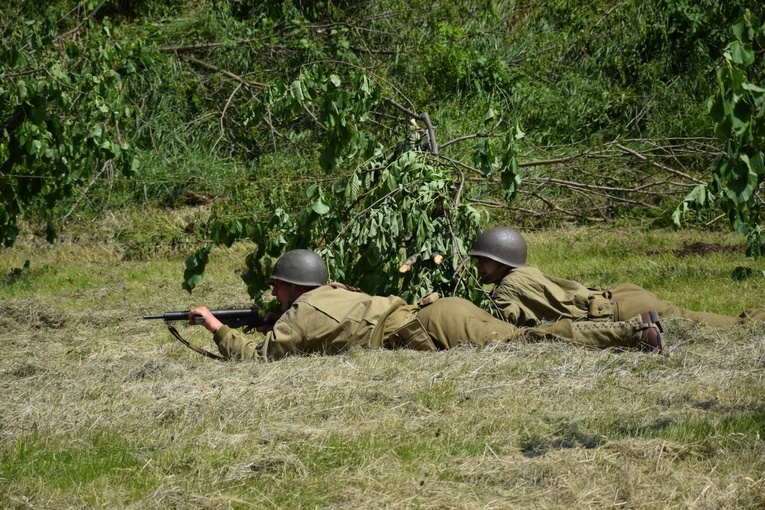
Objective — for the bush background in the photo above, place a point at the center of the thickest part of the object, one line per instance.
(170, 103)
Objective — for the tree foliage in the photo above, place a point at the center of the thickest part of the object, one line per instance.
(738, 111)
(65, 116)
(394, 223)
(295, 119)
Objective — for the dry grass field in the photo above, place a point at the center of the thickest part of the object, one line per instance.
(101, 409)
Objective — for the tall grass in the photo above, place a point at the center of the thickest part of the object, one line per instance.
(99, 408)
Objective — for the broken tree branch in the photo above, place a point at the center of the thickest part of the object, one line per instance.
(425, 118)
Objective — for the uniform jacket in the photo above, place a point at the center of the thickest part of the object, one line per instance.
(326, 320)
(527, 297)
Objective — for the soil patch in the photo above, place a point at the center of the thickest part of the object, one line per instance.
(702, 248)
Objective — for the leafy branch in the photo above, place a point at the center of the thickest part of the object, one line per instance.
(738, 111)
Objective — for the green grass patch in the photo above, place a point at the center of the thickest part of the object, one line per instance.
(100, 408)
(86, 465)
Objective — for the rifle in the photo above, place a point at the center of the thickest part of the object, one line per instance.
(232, 318)
(247, 318)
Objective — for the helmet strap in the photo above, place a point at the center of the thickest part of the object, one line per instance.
(292, 297)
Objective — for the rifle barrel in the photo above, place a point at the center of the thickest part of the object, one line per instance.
(155, 316)
(246, 316)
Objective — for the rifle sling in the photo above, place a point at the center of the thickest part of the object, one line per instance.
(191, 346)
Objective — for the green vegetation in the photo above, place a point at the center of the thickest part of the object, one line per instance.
(738, 110)
(292, 123)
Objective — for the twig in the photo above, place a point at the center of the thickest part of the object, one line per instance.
(86, 18)
(608, 13)
(85, 191)
(266, 119)
(544, 162)
(315, 119)
(486, 134)
(223, 117)
(580, 185)
(486, 203)
(459, 188)
(224, 72)
(557, 208)
(358, 214)
(657, 165)
(713, 220)
(205, 46)
(425, 118)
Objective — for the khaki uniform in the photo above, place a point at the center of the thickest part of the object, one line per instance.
(330, 320)
(528, 297)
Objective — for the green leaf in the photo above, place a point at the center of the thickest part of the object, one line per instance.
(338, 186)
(757, 164)
(679, 213)
(296, 91)
(742, 114)
(51, 234)
(699, 198)
(363, 85)
(320, 208)
(33, 146)
(742, 181)
(195, 268)
(741, 273)
(760, 36)
(751, 87)
(742, 30)
(312, 191)
(741, 54)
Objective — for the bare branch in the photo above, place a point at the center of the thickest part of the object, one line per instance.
(556, 161)
(554, 207)
(486, 134)
(425, 118)
(657, 165)
(207, 46)
(84, 20)
(223, 118)
(224, 72)
(107, 164)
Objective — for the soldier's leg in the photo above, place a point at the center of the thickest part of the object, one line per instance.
(757, 314)
(452, 321)
(630, 333)
(631, 300)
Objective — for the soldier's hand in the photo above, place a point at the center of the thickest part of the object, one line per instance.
(210, 323)
(269, 319)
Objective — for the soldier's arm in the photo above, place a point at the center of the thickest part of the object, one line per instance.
(517, 314)
(234, 344)
(283, 340)
(514, 309)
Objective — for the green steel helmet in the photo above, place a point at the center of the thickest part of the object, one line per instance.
(502, 244)
(301, 267)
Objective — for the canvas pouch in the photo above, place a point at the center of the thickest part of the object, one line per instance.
(600, 307)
